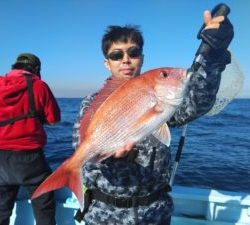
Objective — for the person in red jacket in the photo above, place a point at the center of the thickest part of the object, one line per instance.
(26, 104)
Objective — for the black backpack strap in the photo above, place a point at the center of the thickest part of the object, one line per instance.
(32, 109)
(12, 120)
(128, 202)
(87, 201)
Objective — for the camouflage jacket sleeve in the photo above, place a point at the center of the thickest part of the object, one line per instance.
(202, 90)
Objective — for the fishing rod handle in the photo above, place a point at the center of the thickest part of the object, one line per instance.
(219, 10)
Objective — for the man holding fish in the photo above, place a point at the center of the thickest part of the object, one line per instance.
(121, 137)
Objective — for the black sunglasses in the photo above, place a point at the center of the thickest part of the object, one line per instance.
(133, 52)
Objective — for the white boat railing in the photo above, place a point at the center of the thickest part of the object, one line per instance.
(209, 206)
(193, 206)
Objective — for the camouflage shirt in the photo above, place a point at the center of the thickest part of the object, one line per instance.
(147, 168)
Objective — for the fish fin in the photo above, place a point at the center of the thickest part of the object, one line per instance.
(63, 176)
(109, 87)
(163, 134)
(158, 107)
(152, 112)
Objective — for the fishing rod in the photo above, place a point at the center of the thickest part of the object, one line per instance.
(204, 48)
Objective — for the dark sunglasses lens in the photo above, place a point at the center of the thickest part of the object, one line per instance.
(116, 55)
(134, 52)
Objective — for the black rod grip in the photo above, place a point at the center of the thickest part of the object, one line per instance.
(219, 10)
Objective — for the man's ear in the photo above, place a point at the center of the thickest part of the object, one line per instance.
(106, 64)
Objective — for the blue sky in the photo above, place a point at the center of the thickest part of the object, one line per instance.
(66, 35)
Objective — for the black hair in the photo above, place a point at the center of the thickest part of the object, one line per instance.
(28, 62)
(28, 67)
(115, 34)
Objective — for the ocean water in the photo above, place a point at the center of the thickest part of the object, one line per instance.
(216, 152)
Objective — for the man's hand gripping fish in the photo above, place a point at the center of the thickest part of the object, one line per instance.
(123, 113)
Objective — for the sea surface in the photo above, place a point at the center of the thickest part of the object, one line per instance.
(216, 152)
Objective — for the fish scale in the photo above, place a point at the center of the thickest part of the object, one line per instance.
(130, 109)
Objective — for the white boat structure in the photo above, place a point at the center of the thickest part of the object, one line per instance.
(193, 206)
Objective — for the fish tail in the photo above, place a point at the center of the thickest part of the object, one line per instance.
(67, 175)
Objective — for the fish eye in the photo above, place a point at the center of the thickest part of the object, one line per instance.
(164, 74)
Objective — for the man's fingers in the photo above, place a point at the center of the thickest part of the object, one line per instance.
(120, 153)
(124, 151)
(218, 19)
(212, 26)
(129, 146)
(212, 22)
(207, 16)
